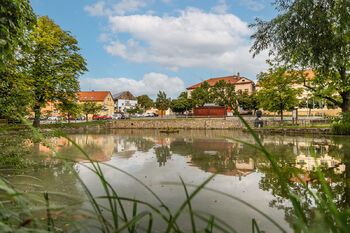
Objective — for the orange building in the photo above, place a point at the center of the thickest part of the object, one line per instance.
(103, 98)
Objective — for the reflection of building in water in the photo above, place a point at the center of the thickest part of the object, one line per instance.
(240, 168)
(219, 156)
(124, 147)
(98, 147)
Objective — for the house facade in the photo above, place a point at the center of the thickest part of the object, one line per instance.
(103, 98)
(242, 84)
(124, 101)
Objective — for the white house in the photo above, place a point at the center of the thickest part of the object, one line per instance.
(123, 101)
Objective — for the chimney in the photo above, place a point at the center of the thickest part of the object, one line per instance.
(238, 75)
(92, 91)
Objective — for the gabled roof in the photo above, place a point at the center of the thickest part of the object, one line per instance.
(92, 95)
(235, 79)
(125, 95)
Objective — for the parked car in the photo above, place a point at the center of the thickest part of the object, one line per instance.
(53, 118)
(116, 116)
(80, 118)
(125, 117)
(155, 114)
(43, 118)
(96, 117)
(66, 118)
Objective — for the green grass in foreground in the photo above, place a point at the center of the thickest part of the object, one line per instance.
(298, 126)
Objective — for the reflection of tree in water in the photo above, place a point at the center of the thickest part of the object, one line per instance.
(142, 144)
(337, 178)
(163, 154)
(217, 156)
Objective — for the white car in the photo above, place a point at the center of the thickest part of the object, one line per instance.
(53, 118)
(116, 116)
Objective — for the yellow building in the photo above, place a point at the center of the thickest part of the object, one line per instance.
(103, 98)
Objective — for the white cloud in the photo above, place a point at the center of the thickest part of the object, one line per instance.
(254, 5)
(121, 8)
(151, 84)
(97, 9)
(192, 39)
(221, 8)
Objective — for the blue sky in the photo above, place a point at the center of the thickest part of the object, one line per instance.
(149, 45)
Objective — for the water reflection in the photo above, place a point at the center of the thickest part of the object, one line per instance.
(204, 151)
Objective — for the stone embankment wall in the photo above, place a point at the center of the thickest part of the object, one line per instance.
(181, 124)
(231, 123)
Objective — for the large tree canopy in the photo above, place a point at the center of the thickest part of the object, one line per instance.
(278, 93)
(312, 34)
(16, 19)
(53, 65)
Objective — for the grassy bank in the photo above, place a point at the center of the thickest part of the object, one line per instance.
(58, 125)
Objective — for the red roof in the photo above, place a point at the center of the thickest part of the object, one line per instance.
(228, 79)
(93, 95)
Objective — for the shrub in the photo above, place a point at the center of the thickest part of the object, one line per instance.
(341, 128)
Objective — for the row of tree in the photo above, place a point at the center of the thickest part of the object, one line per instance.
(39, 62)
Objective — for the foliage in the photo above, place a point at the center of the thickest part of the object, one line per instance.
(201, 95)
(69, 108)
(312, 34)
(90, 108)
(181, 104)
(162, 102)
(341, 128)
(145, 101)
(277, 93)
(223, 93)
(17, 18)
(248, 102)
(53, 65)
(14, 92)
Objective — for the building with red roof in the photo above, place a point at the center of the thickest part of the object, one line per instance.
(103, 98)
(242, 84)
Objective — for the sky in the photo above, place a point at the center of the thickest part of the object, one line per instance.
(147, 46)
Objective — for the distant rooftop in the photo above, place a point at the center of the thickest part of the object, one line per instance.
(235, 79)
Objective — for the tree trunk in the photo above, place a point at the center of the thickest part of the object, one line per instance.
(37, 115)
(68, 115)
(87, 117)
(281, 117)
(345, 107)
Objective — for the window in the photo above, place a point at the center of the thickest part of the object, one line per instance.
(85, 97)
(240, 91)
(246, 90)
(92, 97)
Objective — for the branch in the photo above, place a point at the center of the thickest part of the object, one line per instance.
(322, 96)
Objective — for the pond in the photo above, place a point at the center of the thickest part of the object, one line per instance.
(159, 160)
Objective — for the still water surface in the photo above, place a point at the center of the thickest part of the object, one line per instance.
(243, 172)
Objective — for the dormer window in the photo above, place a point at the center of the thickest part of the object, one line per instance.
(85, 97)
(92, 97)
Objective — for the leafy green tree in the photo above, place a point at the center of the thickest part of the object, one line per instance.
(90, 108)
(69, 108)
(145, 101)
(277, 93)
(181, 104)
(14, 92)
(224, 94)
(17, 18)
(312, 34)
(201, 95)
(54, 65)
(162, 102)
(248, 102)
